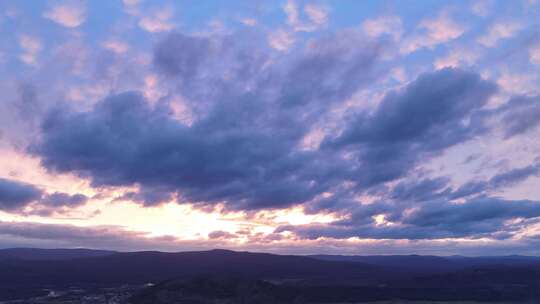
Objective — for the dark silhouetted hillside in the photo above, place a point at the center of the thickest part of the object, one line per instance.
(264, 277)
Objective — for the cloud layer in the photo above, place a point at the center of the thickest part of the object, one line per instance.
(270, 125)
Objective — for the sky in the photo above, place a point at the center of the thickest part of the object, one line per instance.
(294, 127)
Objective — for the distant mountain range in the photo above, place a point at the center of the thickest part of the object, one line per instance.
(337, 277)
(432, 264)
(51, 254)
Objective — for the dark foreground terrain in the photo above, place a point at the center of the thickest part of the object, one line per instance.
(221, 276)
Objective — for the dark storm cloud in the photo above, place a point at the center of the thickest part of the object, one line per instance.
(497, 182)
(477, 211)
(181, 56)
(520, 114)
(28, 104)
(220, 234)
(226, 71)
(426, 209)
(124, 141)
(242, 148)
(420, 190)
(148, 196)
(331, 69)
(514, 176)
(243, 151)
(470, 188)
(427, 189)
(480, 217)
(434, 112)
(59, 199)
(14, 195)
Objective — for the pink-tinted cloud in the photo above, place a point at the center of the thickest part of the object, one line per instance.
(158, 20)
(281, 40)
(385, 25)
(317, 16)
(68, 14)
(31, 47)
(499, 31)
(433, 32)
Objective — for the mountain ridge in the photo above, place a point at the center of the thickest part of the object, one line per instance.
(354, 277)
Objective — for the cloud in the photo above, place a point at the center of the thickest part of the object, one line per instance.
(476, 217)
(429, 189)
(520, 115)
(514, 176)
(434, 112)
(68, 14)
(14, 194)
(63, 199)
(157, 20)
(127, 142)
(534, 54)
(181, 55)
(517, 83)
(31, 47)
(148, 196)
(317, 16)
(116, 46)
(457, 57)
(131, 2)
(482, 8)
(63, 235)
(432, 33)
(28, 104)
(277, 116)
(131, 7)
(251, 112)
(238, 152)
(328, 68)
(249, 21)
(481, 217)
(385, 25)
(281, 40)
(219, 234)
(28, 234)
(420, 190)
(499, 31)
(54, 203)
(495, 183)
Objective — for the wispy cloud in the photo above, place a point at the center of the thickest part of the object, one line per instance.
(457, 57)
(385, 25)
(249, 21)
(68, 14)
(534, 53)
(116, 46)
(158, 20)
(499, 31)
(482, 8)
(433, 32)
(281, 40)
(31, 47)
(317, 16)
